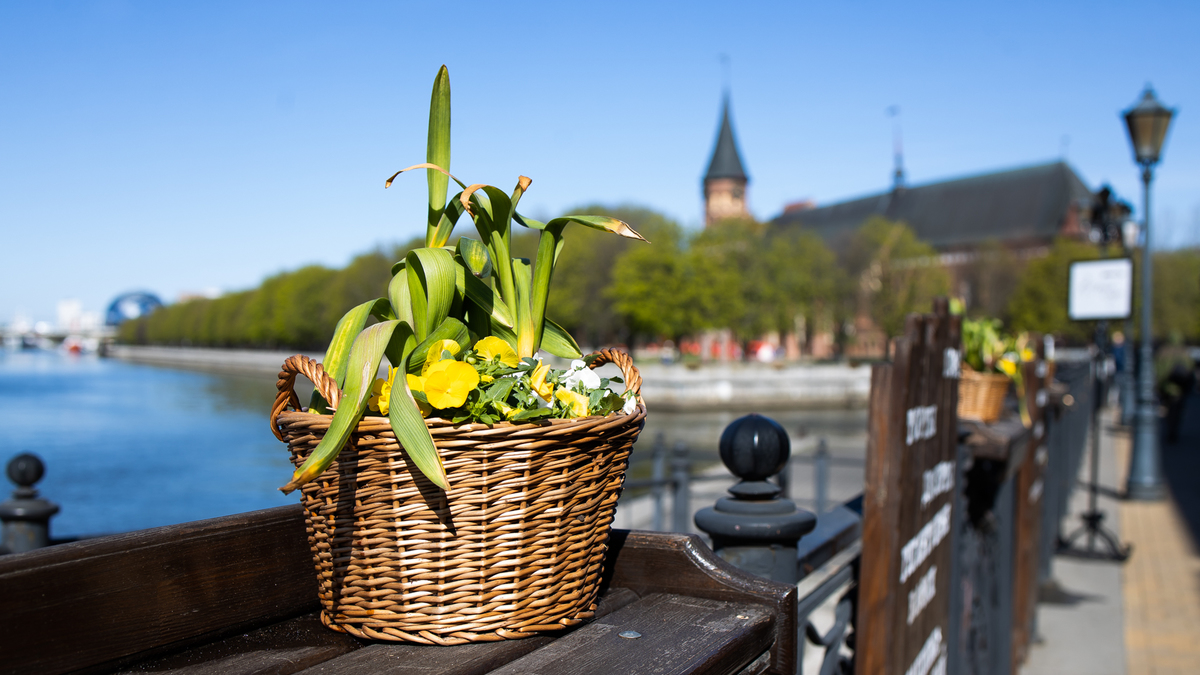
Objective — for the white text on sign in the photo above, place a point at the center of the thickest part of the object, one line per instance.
(931, 660)
(952, 364)
(936, 482)
(922, 423)
(919, 547)
(920, 597)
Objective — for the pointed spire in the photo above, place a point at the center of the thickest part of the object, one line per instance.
(726, 160)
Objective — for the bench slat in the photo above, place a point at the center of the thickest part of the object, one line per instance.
(678, 635)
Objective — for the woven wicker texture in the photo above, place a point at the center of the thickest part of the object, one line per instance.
(515, 547)
(981, 395)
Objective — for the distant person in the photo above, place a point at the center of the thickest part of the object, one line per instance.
(1176, 373)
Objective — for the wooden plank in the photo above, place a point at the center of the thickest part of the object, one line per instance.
(678, 635)
(904, 586)
(651, 562)
(472, 659)
(95, 602)
(1027, 504)
(279, 649)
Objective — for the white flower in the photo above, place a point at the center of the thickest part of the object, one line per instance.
(580, 373)
(630, 403)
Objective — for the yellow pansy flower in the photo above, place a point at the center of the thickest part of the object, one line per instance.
(381, 391)
(492, 347)
(1008, 367)
(448, 382)
(1027, 354)
(537, 381)
(417, 383)
(577, 404)
(435, 353)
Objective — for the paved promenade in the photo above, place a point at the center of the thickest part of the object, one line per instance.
(1142, 617)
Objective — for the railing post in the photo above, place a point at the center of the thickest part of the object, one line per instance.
(26, 517)
(681, 467)
(755, 529)
(658, 457)
(821, 474)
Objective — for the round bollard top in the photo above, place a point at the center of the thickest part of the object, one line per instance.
(754, 447)
(26, 469)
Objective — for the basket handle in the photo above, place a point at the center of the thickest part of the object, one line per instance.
(302, 365)
(633, 379)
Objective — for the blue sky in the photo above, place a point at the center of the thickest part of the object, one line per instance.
(179, 147)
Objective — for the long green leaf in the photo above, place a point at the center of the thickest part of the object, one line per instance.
(446, 222)
(484, 297)
(527, 338)
(399, 296)
(550, 244)
(348, 328)
(363, 363)
(431, 283)
(557, 341)
(489, 214)
(450, 329)
(412, 432)
(437, 151)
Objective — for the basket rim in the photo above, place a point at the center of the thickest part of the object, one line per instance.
(442, 423)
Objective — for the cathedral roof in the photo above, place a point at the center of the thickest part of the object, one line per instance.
(1025, 203)
(726, 161)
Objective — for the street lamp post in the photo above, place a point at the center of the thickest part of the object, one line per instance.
(1147, 122)
(1129, 238)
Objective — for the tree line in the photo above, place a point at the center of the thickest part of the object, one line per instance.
(740, 275)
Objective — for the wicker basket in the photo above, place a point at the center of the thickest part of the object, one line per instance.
(515, 547)
(981, 395)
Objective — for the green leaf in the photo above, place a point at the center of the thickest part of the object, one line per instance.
(437, 151)
(450, 329)
(366, 353)
(602, 223)
(431, 283)
(491, 220)
(485, 298)
(348, 328)
(529, 222)
(446, 222)
(559, 342)
(527, 333)
(504, 333)
(399, 295)
(474, 256)
(412, 433)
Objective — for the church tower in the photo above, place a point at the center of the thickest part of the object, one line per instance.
(725, 182)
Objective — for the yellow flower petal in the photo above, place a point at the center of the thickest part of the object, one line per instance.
(577, 404)
(449, 382)
(492, 347)
(537, 381)
(435, 353)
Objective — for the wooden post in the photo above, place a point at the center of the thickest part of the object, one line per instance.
(908, 500)
(1027, 504)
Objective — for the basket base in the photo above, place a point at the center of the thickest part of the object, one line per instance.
(383, 633)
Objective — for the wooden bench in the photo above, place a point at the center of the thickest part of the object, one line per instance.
(237, 595)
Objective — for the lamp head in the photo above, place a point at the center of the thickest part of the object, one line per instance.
(1147, 122)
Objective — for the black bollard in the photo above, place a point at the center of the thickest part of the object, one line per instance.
(755, 529)
(26, 517)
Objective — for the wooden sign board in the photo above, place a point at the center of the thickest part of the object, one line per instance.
(1027, 507)
(908, 501)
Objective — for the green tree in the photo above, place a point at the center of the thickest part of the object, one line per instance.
(1177, 293)
(895, 273)
(1040, 300)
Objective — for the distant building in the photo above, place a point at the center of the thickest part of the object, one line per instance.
(725, 181)
(1024, 209)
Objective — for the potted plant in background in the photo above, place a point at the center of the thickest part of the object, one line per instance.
(468, 494)
(991, 360)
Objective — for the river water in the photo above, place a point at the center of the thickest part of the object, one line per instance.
(131, 446)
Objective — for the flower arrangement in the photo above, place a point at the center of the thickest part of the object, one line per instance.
(461, 325)
(987, 350)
